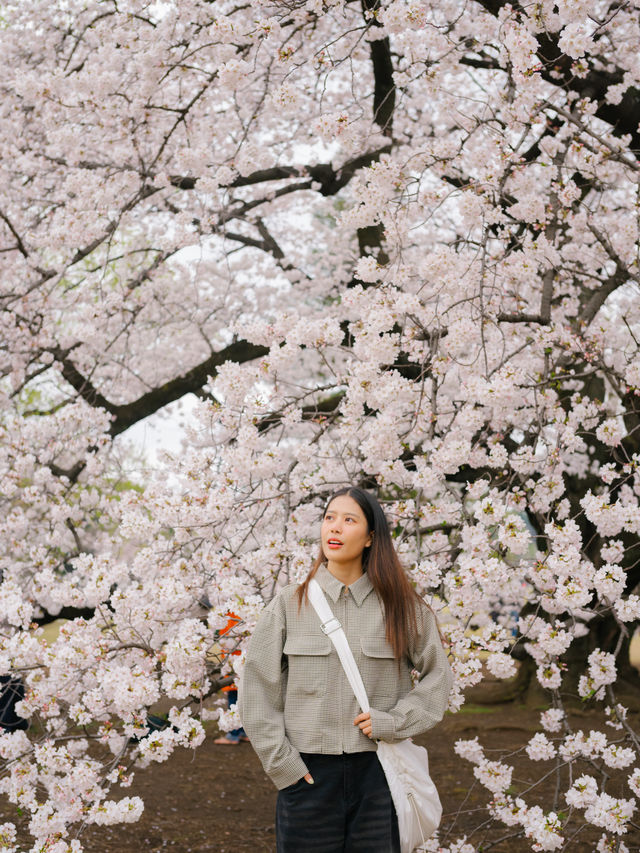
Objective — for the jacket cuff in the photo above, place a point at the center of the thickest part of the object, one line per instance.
(382, 725)
(290, 772)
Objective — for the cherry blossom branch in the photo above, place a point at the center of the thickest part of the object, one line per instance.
(126, 414)
(557, 69)
(19, 244)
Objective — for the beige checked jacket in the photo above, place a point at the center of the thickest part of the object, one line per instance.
(294, 696)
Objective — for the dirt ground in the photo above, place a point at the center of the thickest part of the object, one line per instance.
(220, 801)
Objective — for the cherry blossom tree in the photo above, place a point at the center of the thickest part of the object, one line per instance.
(390, 242)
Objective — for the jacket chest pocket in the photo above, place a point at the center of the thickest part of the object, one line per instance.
(308, 661)
(379, 668)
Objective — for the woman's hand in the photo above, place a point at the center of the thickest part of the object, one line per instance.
(363, 721)
(308, 778)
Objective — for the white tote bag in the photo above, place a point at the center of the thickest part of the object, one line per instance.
(405, 764)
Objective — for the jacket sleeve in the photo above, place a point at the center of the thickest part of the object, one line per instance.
(425, 704)
(261, 699)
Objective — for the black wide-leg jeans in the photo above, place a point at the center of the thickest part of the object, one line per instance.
(348, 809)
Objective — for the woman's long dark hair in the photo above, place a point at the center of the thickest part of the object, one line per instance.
(381, 562)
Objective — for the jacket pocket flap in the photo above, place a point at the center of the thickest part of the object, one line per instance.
(307, 644)
(376, 647)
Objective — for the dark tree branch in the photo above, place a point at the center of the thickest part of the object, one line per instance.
(71, 474)
(244, 208)
(126, 414)
(384, 92)
(66, 613)
(160, 258)
(250, 242)
(615, 257)
(623, 118)
(19, 244)
(313, 412)
(81, 384)
(331, 180)
(493, 64)
(268, 244)
(523, 318)
(614, 153)
(130, 413)
(601, 295)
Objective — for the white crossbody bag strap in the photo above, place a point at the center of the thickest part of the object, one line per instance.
(331, 626)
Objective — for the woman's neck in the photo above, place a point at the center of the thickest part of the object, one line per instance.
(347, 573)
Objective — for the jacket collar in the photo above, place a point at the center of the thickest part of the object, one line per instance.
(333, 587)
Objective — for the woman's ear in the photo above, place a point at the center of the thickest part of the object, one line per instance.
(369, 541)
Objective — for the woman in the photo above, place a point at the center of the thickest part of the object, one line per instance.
(295, 701)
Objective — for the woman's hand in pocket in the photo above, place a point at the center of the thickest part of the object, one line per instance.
(308, 778)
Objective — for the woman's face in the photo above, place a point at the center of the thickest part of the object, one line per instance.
(344, 532)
